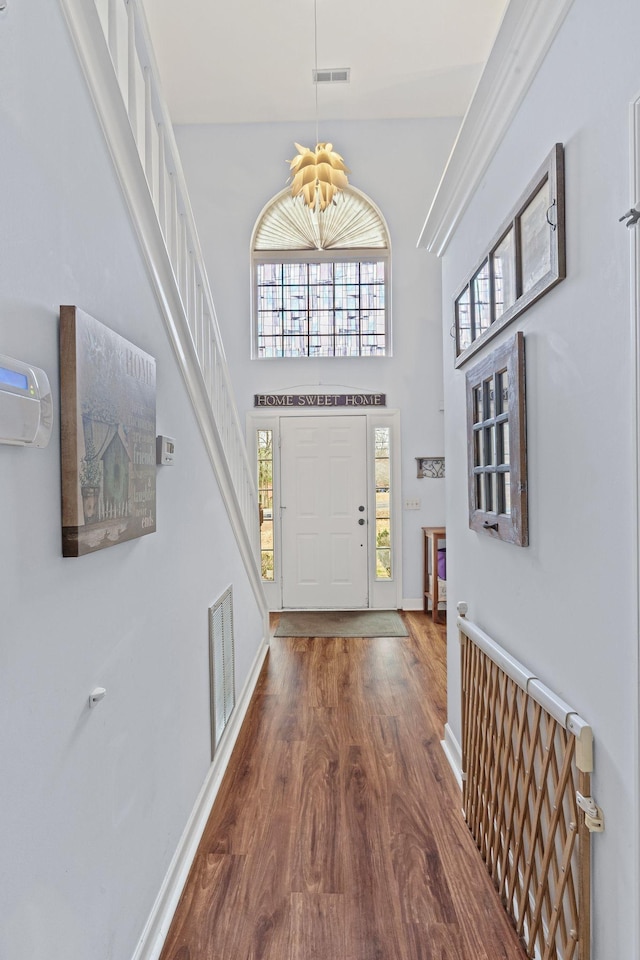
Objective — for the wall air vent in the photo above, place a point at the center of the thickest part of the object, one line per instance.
(221, 665)
(337, 75)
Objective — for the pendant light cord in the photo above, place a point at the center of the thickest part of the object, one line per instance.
(315, 38)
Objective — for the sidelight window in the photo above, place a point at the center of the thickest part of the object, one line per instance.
(383, 501)
(265, 499)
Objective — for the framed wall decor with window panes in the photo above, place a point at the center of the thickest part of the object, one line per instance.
(525, 260)
(497, 444)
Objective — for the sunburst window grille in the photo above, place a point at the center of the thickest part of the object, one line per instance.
(321, 280)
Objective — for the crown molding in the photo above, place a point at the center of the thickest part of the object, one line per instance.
(525, 35)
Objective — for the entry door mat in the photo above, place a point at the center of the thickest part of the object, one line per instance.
(341, 623)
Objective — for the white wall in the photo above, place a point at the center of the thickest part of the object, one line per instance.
(232, 171)
(93, 803)
(566, 605)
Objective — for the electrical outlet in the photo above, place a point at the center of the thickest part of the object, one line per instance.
(412, 504)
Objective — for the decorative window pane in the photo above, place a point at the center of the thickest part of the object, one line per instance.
(534, 238)
(294, 273)
(503, 435)
(383, 502)
(496, 441)
(320, 273)
(507, 494)
(477, 445)
(346, 272)
(265, 499)
(490, 395)
(463, 320)
(502, 391)
(481, 301)
(504, 274)
(311, 314)
(373, 346)
(272, 273)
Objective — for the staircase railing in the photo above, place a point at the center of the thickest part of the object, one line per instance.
(114, 47)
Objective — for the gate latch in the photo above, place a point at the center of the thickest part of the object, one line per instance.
(593, 815)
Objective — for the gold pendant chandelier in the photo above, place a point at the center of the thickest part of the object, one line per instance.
(317, 175)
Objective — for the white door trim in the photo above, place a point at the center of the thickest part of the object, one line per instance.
(383, 595)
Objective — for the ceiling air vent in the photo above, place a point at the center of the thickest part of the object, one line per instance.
(337, 75)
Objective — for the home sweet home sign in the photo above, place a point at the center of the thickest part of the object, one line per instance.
(320, 400)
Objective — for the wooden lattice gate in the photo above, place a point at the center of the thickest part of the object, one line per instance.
(526, 760)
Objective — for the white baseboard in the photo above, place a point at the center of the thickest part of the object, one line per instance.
(157, 925)
(408, 604)
(453, 753)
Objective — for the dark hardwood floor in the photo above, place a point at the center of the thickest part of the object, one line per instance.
(337, 833)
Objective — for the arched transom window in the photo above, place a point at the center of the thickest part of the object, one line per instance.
(321, 280)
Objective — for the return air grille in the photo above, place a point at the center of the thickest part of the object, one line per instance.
(337, 75)
(221, 665)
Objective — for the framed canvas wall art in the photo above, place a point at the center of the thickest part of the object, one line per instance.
(108, 436)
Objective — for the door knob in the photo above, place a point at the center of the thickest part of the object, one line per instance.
(361, 509)
(361, 521)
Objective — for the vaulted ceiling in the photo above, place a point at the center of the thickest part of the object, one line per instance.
(248, 61)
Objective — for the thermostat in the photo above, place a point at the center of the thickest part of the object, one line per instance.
(165, 450)
(26, 405)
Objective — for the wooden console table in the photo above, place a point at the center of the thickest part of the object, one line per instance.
(432, 537)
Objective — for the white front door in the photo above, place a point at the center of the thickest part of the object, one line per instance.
(324, 512)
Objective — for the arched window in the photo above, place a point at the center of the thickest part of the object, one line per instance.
(321, 280)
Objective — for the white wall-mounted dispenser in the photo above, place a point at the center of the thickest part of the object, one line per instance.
(26, 405)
